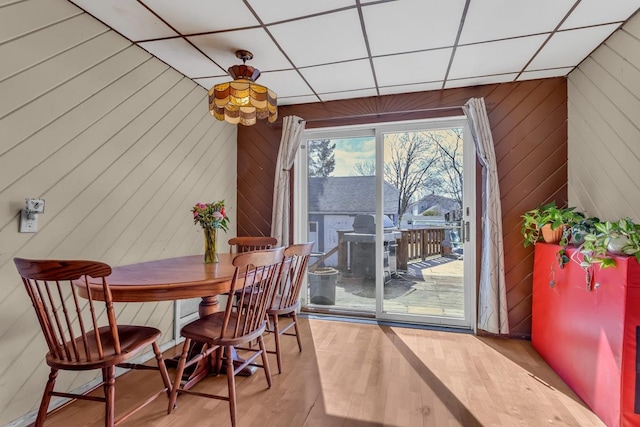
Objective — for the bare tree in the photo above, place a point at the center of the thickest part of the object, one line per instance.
(449, 179)
(410, 158)
(365, 168)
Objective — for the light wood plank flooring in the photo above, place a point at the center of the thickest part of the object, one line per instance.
(365, 375)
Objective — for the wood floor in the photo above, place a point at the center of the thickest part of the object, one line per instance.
(365, 375)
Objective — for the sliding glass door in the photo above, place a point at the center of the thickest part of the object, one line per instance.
(390, 213)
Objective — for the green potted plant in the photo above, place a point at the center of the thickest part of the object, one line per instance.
(547, 222)
(575, 234)
(610, 238)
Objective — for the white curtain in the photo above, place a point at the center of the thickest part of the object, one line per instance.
(492, 304)
(292, 130)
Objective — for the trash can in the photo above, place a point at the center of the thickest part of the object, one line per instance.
(322, 286)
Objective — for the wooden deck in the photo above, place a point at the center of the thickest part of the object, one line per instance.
(432, 287)
(365, 375)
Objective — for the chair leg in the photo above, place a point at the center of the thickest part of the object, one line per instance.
(276, 334)
(231, 380)
(265, 360)
(179, 370)
(163, 368)
(109, 377)
(46, 397)
(294, 317)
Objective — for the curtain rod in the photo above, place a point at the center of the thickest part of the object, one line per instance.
(385, 113)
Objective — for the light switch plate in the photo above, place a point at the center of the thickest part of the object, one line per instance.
(35, 206)
(28, 225)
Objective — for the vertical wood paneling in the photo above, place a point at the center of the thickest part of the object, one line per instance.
(529, 124)
(119, 145)
(604, 128)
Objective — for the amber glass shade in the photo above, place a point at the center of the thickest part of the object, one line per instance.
(243, 101)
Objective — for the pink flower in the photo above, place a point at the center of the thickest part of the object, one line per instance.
(211, 215)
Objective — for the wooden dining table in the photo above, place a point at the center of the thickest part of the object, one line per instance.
(171, 279)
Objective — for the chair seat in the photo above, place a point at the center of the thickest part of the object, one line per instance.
(209, 328)
(132, 339)
(277, 309)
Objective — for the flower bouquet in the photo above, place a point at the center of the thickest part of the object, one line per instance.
(211, 217)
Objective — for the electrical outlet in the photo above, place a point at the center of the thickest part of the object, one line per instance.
(28, 225)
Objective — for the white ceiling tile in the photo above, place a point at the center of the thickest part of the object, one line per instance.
(322, 39)
(544, 74)
(348, 94)
(569, 48)
(198, 16)
(419, 67)
(410, 40)
(410, 25)
(505, 56)
(285, 83)
(209, 82)
(183, 57)
(128, 17)
(223, 46)
(477, 81)
(298, 100)
(339, 77)
(498, 19)
(391, 90)
(593, 12)
(279, 10)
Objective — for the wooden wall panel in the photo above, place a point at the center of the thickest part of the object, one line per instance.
(528, 119)
(604, 128)
(119, 145)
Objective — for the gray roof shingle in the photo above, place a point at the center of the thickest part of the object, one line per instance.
(349, 195)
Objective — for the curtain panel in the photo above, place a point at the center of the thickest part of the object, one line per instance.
(292, 131)
(492, 298)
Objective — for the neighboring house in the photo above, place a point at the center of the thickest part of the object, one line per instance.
(445, 208)
(335, 201)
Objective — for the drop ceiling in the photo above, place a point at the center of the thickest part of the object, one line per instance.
(310, 51)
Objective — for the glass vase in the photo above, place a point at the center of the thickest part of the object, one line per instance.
(210, 245)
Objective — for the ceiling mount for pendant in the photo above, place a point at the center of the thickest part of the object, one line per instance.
(242, 100)
(245, 55)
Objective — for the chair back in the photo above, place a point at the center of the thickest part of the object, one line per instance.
(68, 321)
(257, 273)
(251, 243)
(294, 272)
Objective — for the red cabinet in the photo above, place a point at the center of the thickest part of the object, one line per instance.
(589, 337)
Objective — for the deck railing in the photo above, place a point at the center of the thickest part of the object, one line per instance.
(418, 243)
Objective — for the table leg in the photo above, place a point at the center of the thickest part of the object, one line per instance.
(208, 305)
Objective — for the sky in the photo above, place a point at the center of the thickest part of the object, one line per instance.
(349, 152)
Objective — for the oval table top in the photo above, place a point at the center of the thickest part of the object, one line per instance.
(167, 279)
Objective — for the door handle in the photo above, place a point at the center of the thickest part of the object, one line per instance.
(467, 231)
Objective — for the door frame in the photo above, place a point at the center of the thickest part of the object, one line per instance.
(469, 214)
(300, 226)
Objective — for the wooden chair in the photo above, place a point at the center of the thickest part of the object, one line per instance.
(287, 300)
(248, 244)
(237, 325)
(72, 330)
(251, 243)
